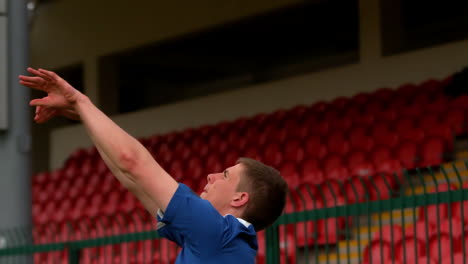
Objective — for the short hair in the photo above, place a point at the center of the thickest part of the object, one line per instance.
(267, 193)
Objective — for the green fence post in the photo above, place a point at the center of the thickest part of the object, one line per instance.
(306, 234)
(73, 254)
(462, 206)
(449, 213)
(357, 216)
(439, 249)
(426, 224)
(272, 245)
(336, 219)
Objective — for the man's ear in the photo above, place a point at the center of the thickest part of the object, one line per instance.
(240, 199)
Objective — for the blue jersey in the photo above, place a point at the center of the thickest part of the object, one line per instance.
(204, 235)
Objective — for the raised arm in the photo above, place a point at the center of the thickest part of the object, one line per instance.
(125, 156)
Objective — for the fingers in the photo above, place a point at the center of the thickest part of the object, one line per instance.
(39, 73)
(44, 115)
(34, 84)
(52, 76)
(32, 79)
(40, 102)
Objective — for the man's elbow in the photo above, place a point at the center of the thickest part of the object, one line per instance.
(128, 162)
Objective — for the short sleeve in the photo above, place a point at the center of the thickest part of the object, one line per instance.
(190, 220)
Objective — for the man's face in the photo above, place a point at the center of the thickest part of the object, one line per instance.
(221, 187)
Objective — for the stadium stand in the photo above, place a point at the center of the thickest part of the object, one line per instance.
(329, 152)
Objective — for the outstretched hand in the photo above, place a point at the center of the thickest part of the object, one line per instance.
(61, 96)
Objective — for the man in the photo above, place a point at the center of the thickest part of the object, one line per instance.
(219, 226)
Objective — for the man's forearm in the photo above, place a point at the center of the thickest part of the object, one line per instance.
(127, 158)
(121, 149)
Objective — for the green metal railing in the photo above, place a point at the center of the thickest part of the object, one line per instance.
(413, 216)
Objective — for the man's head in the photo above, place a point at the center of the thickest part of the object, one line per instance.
(250, 190)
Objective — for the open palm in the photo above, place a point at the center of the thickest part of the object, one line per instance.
(61, 96)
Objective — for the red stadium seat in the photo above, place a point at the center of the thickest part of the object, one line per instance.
(414, 134)
(293, 151)
(331, 115)
(403, 125)
(461, 102)
(363, 169)
(429, 122)
(420, 99)
(391, 167)
(252, 152)
(338, 173)
(439, 105)
(391, 234)
(213, 163)
(408, 90)
(309, 165)
(46, 192)
(384, 94)
(329, 191)
(355, 189)
(337, 143)
(458, 258)
(297, 113)
(272, 155)
(388, 115)
(319, 127)
(455, 119)
(359, 140)
(195, 167)
(364, 119)
(435, 213)
(440, 247)
(379, 155)
(341, 123)
(413, 110)
(315, 148)
(330, 229)
(361, 98)
(460, 211)
(389, 139)
(432, 152)
(381, 186)
(261, 252)
(421, 230)
(41, 178)
(340, 102)
(230, 158)
(56, 175)
(409, 249)
(61, 214)
(332, 161)
(357, 133)
(378, 252)
(379, 128)
(407, 152)
(374, 107)
(312, 175)
(287, 249)
(432, 86)
(355, 158)
(289, 172)
(291, 129)
(453, 227)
